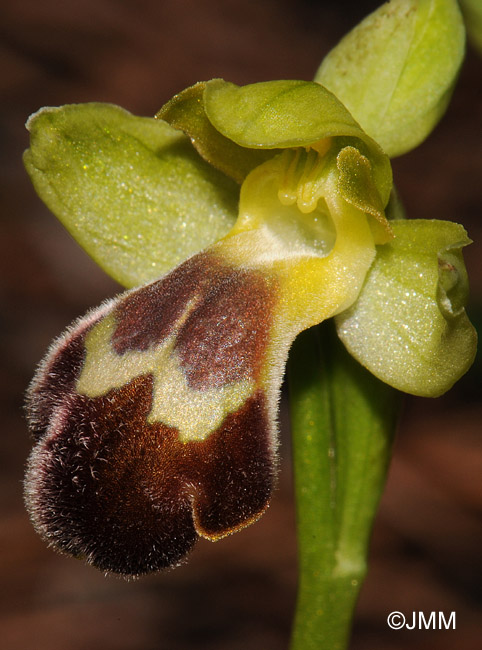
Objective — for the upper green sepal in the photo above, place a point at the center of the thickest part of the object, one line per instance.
(281, 113)
(395, 70)
(186, 111)
(409, 325)
(131, 190)
(289, 113)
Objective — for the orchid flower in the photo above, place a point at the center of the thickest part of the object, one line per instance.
(237, 218)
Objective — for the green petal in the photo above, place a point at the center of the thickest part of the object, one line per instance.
(409, 325)
(395, 71)
(131, 190)
(288, 114)
(357, 186)
(185, 111)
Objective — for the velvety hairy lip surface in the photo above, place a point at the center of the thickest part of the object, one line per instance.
(132, 498)
(223, 340)
(227, 314)
(56, 377)
(131, 492)
(148, 315)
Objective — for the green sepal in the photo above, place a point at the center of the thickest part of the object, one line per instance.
(185, 111)
(409, 325)
(395, 71)
(131, 190)
(280, 114)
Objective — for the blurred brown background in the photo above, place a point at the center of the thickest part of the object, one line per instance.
(426, 552)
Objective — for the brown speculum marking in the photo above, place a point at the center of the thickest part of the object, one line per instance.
(148, 315)
(223, 315)
(225, 337)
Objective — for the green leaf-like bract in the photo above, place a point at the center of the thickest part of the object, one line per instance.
(395, 71)
(409, 325)
(131, 190)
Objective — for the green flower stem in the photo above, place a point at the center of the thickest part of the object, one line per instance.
(343, 422)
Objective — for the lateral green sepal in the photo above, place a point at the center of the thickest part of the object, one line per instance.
(409, 325)
(131, 190)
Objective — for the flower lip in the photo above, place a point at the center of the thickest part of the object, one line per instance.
(111, 479)
(130, 497)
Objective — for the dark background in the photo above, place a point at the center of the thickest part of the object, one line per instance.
(238, 593)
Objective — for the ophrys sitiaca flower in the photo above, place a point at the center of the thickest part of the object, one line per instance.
(155, 414)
